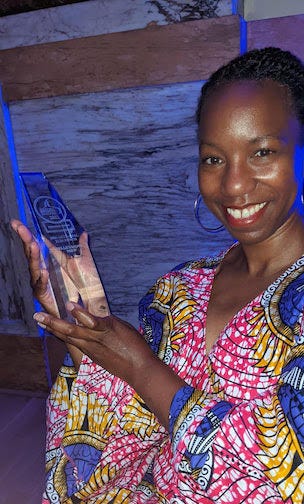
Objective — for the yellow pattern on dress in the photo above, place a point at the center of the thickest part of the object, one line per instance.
(172, 298)
(271, 346)
(279, 445)
(138, 419)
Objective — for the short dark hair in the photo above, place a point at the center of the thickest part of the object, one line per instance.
(269, 63)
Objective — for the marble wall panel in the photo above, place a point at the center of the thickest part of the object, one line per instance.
(125, 162)
(15, 304)
(98, 17)
(285, 32)
(156, 55)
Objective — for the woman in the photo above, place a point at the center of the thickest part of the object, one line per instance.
(208, 405)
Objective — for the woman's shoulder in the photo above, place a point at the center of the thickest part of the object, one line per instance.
(204, 263)
(201, 266)
(187, 273)
(181, 278)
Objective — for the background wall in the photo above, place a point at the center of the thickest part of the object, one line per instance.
(106, 110)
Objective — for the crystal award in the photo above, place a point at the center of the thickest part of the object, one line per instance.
(65, 251)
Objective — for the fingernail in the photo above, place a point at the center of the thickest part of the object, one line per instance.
(39, 317)
(70, 306)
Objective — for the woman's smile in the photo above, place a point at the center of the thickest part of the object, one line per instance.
(237, 216)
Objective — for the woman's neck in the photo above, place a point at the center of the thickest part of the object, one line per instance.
(274, 254)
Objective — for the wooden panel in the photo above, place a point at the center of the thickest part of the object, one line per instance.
(285, 32)
(21, 363)
(176, 53)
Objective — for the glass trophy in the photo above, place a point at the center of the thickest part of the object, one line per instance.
(65, 252)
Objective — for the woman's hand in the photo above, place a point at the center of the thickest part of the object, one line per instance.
(39, 279)
(118, 347)
(110, 342)
(39, 276)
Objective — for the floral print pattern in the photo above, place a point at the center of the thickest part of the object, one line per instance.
(236, 429)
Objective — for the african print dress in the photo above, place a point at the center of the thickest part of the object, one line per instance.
(236, 430)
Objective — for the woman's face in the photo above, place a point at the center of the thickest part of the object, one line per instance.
(249, 137)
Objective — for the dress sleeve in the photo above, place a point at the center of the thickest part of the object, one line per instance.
(249, 452)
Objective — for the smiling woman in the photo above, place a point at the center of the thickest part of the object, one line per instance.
(205, 402)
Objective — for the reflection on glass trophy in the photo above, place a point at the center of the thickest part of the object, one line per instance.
(65, 249)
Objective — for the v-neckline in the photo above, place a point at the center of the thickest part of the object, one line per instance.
(245, 306)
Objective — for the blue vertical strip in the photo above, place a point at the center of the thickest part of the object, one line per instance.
(243, 35)
(243, 26)
(299, 166)
(234, 7)
(21, 209)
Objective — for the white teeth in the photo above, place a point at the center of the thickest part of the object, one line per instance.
(237, 213)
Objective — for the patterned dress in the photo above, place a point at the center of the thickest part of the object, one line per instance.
(236, 429)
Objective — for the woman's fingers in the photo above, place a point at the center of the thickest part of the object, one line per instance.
(23, 231)
(39, 275)
(39, 282)
(30, 244)
(66, 330)
(83, 317)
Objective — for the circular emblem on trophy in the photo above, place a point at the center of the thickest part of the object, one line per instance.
(50, 210)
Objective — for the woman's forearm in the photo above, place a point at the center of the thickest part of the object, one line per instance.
(157, 385)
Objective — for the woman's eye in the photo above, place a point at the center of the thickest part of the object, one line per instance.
(263, 152)
(211, 160)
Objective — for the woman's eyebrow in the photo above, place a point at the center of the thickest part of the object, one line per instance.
(260, 138)
(207, 144)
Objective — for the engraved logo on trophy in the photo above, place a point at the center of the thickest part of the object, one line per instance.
(56, 225)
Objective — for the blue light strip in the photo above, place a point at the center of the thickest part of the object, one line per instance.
(234, 7)
(243, 26)
(243, 35)
(299, 166)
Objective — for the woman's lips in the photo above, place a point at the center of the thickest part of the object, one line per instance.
(244, 216)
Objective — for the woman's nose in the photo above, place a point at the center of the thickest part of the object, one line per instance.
(238, 178)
